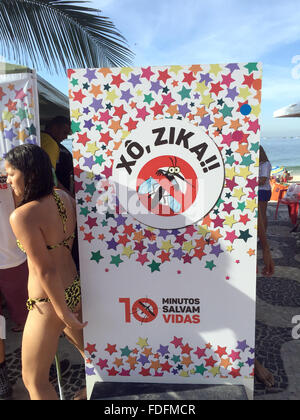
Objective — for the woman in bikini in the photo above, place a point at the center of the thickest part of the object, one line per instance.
(44, 223)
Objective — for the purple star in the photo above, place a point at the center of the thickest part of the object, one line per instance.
(216, 250)
(178, 253)
(152, 248)
(250, 362)
(175, 232)
(90, 74)
(156, 86)
(134, 79)
(88, 124)
(120, 220)
(143, 359)
(183, 109)
(112, 244)
(89, 161)
(206, 121)
(126, 95)
(232, 67)
(96, 104)
(242, 345)
(163, 350)
(9, 134)
(232, 93)
(90, 371)
(86, 110)
(163, 233)
(205, 78)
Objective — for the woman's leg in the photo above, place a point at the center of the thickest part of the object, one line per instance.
(39, 346)
(76, 336)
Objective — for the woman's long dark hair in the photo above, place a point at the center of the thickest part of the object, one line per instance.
(36, 167)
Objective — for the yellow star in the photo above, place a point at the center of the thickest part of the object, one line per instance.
(255, 110)
(215, 69)
(230, 220)
(92, 148)
(238, 192)
(201, 87)
(175, 69)
(215, 370)
(142, 342)
(112, 96)
(125, 134)
(76, 114)
(184, 374)
(251, 205)
(229, 248)
(126, 70)
(245, 92)
(230, 172)
(188, 246)
(139, 92)
(127, 251)
(206, 100)
(203, 230)
(244, 172)
(6, 115)
(166, 245)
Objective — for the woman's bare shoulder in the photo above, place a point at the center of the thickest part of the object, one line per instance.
(28, 213)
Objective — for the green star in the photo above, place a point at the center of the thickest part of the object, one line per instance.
(74, 82)
(31, 130)
(75, 126)
(99, 127)
(219, 202)
(184, 93)
(148, 98)
(210, 265)
(230, 160)
(154, 266)
(241, 205)
(251, 67)
(255, 147)
(116, 260)
(99, 159)
(200, 369)
(175, 359)
(90, 188)
(246, 160)
(96, 256)
(226, 111)
(245, 235)
(125, 351)
(84, 211)
(21, 113)
(104, 223)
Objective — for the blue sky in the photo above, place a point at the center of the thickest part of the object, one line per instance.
(165, 32)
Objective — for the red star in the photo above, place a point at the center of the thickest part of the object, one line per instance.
(70, 72)
(166, 366)
(88, 237)
(123, 239)
(248, 80)
(105, 137)
(177, 342)
(227, 80)
(78, 96)
(117, 80)
(131, 124)
(230, 183)
(145, 372)
(1, 93)
(119, 111)
(234, 355)
(200, 352)
(235, 373)
(218, 221)
(231, 236)
(157, 109)
(78, 186)
(216, 88)
(112, 372)
(253, 126)
(251, 183)
(164, 76)
(11, 105)
(142, 258)
(83, 138)
(167, 99)
(186, 349)
(228, 207)
(244, 219)
(128, 230)
(147, 73)
(199, 253)
(91, 348)
(111, 348)
(189, 78)
(91, 222)
(221, 351)
(164, 256)
(104, 116)
(102, 363)
(210, 362)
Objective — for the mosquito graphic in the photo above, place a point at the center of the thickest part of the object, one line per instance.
(158, 194)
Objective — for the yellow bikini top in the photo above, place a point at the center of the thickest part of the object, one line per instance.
(63, 214)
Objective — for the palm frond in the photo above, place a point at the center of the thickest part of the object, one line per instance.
(59, 34)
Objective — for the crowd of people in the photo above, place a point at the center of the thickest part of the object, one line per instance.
(39, 256)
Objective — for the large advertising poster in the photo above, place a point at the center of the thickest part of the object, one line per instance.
(19, 122)
(166, 166)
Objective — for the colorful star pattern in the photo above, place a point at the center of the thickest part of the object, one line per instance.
(107, 104)
(18, 114)
(174, 359)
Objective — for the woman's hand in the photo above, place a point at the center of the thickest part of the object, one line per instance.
(71, 320)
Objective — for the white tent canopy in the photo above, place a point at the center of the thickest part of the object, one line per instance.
(52, 102)
(288, 111)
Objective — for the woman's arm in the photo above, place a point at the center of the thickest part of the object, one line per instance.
(25, 222)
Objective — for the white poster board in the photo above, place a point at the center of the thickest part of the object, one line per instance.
(166, 166)
(19, 111)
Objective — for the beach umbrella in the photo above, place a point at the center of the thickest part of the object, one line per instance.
(288, 111)
(277, 170)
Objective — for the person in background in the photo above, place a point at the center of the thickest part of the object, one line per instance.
(264, 186)
(13, 279)
(44, 223)
(55, 132)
